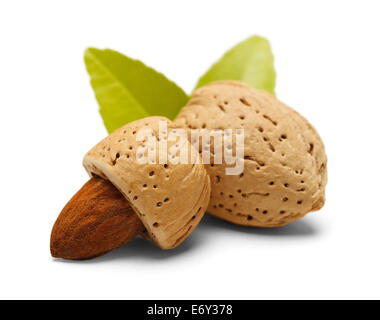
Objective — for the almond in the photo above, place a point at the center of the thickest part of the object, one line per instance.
(285, 171)
(96, 220)
(163, 202)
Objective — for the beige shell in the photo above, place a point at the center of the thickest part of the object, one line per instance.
(285, 172)
(170, 199)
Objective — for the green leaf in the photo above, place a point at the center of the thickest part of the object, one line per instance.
(127, 90)
(250, 61)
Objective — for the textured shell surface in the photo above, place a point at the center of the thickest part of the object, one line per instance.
(170, 199)
(285, 171)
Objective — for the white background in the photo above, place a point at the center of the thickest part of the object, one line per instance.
(328, 64)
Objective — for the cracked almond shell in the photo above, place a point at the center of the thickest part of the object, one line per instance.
(285, 171)
(170, 200)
